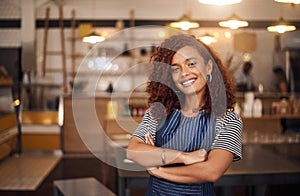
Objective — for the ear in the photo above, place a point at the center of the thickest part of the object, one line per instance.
(209, 67)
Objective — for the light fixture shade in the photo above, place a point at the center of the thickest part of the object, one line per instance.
(281, 27)
(207, 39)
(84, 29)
(219, 2)
(184, 23)
(93, 38)
(289, 1)
(234, 22)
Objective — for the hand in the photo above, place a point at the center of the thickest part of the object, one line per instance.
(194, 157)
(149, 140)
(154, 171)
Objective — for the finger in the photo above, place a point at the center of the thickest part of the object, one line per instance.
(202, 152)
(151, 168)
(147, 139)
(151, 140)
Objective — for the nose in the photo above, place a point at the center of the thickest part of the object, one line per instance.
(185, 71)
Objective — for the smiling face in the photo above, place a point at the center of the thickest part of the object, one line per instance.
(189, 71)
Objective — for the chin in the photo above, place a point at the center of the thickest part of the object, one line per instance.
(192, 91)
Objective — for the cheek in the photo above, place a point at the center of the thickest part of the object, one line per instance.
(174, 76)
(201, 71)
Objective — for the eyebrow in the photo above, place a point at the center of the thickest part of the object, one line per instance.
(186, 60)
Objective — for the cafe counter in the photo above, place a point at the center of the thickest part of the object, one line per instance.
(120, 113)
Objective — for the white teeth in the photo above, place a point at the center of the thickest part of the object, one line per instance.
(188, 82)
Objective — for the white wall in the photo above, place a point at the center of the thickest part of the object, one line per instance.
(155, 9)
(171, 9)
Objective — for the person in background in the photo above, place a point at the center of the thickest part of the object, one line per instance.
(280, 83)
(244, 79)
(190, 135)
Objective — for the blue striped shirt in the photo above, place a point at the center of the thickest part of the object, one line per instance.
(189, 134)
(228, 131)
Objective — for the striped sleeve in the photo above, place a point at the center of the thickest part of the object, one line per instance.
(148, 126)
(229, 134)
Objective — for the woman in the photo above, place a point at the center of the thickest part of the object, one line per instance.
(190, 134)
(280, 83)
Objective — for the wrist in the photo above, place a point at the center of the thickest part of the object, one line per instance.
(163, 157)
(182, 157)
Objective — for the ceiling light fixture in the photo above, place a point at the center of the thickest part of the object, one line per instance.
(281, 27)
(184, 23)
(93, 38)
(207, 39)
(289, 1)
(219, 2)
(90, 36)
(234, 22)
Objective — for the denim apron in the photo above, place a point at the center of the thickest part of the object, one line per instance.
(184, 134)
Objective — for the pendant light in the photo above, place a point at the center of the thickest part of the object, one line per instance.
(289, 1)
(219, 2)
(93, 37)
(281, 27)
(234, 22)
(184, 23)
(207, 39)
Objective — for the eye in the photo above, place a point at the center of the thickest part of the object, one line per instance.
(192, 63)
(175, 69)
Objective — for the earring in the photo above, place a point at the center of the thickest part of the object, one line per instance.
(209, 78)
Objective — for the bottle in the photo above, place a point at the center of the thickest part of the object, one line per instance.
(260, 88)
(283, 105)
(247, 109)
(257, 108)
(112, 109)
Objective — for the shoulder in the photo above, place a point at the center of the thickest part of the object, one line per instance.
(149, 120)
(230, 122)
(148, 116)
(229, 134)
(147, 126)
(229, 117)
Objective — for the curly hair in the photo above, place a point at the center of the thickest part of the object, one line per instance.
(161, 88)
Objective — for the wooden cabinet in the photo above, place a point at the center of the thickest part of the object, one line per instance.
(41, 130)
(8, 121)
(123, 125)
(71, 139)
(79, 117)
(267, 123)
(8, 134)
(120, 123)
(271, 121)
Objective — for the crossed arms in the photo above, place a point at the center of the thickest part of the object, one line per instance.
(197, 166)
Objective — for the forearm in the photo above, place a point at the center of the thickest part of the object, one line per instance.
(151, 156)
(161, 173)
(195, 173)
(208, 171)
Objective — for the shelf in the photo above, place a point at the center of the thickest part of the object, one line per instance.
(266, 117)
(6, 82)
(272, 95)
(125, 118)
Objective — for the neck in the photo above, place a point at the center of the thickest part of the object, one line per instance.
(192, 104)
